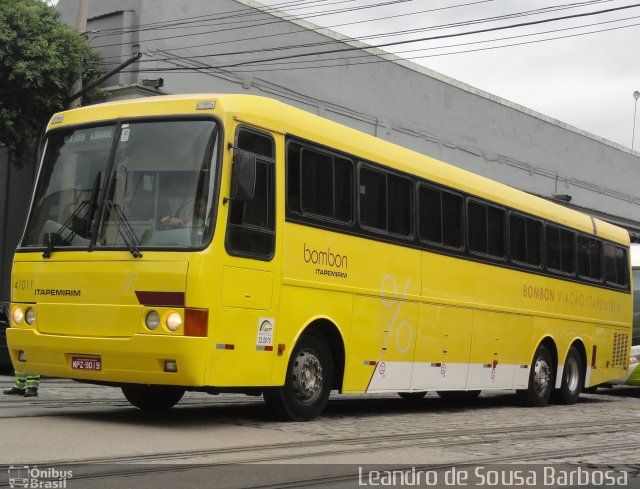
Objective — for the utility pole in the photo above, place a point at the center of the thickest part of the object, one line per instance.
(636, 95)
(81, 27)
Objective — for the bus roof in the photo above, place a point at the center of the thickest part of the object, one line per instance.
(286, 119)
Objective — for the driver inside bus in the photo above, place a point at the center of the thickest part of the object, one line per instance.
(186, 217)
(180, 207)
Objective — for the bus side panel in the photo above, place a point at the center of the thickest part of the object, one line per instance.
(383, 339)
(523, 341)
(493, 350)
(442, 348)
(239, 357)
(324, 267)
(299, 307)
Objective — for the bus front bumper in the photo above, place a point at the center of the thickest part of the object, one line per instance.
(139, 359)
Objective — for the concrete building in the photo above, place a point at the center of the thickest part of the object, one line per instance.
(205, 46)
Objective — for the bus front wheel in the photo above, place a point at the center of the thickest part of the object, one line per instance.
(540, 379)
(307, 384)
(152, 397)
(572, 376)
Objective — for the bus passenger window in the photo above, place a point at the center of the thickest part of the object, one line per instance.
(486, 225)
(616, 267)
(440, 217)
(610, 264)
(319, 184)
(477, 225)
(385, 202)
(566, 251)
(553, 248)
(293, 178)
(595, 256)
(399, 212)
(518, 238)
(430, 215)
(251, 225)
(373, 199)
(525, 240)
(496, 228)
(589, 258)
(559, 243)
(622, 267)
(534, 242)
(451, 220)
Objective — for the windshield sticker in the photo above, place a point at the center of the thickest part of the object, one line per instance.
(124, 137)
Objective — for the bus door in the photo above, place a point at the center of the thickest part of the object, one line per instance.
(245, 332)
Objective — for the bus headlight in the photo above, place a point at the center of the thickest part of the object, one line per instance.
(17, 315)
(30, 316)
(152, 321)
(174, 321)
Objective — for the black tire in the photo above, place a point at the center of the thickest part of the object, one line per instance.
(307, 383)
(459, 396)
(540, 379)
(412, 396)
(572, 379)
(152, 397)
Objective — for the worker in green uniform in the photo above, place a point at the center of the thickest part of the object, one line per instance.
(25, 385)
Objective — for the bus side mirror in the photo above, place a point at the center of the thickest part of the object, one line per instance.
(243, 176)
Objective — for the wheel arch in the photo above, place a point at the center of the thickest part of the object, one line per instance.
(550, 343)
(579, 345)
(331, 333)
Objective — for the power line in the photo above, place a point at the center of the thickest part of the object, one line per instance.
(448, 46)
(442, 36)
(205, 67)
(350, 9)
(387, 17)
(248, 11)
(389, 34)
(368, 54)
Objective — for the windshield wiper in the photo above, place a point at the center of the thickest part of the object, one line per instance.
(88, 218)
(47, 252)
(124, 229)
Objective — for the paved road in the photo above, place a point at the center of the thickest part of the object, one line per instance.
(93, 432)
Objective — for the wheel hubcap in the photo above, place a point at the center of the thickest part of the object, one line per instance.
(542, 376)
(307, 376)
(573, 373)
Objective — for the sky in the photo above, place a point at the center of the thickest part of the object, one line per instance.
(586, 81)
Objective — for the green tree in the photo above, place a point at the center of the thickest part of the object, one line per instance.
(39, 59)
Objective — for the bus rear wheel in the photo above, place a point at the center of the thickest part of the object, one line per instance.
(572, 379)
(152, 397)
(540, 379)
(307, 383)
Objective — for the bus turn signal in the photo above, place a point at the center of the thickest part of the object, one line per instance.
(196, 322)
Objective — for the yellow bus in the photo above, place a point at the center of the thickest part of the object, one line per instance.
(232, 243)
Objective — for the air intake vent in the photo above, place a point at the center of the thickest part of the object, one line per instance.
(620, 350)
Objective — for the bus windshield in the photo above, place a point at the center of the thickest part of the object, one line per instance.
(152, 179)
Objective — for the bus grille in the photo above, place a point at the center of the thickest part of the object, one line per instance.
(620, 349)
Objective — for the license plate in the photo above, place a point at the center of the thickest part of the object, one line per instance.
(85, 363)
